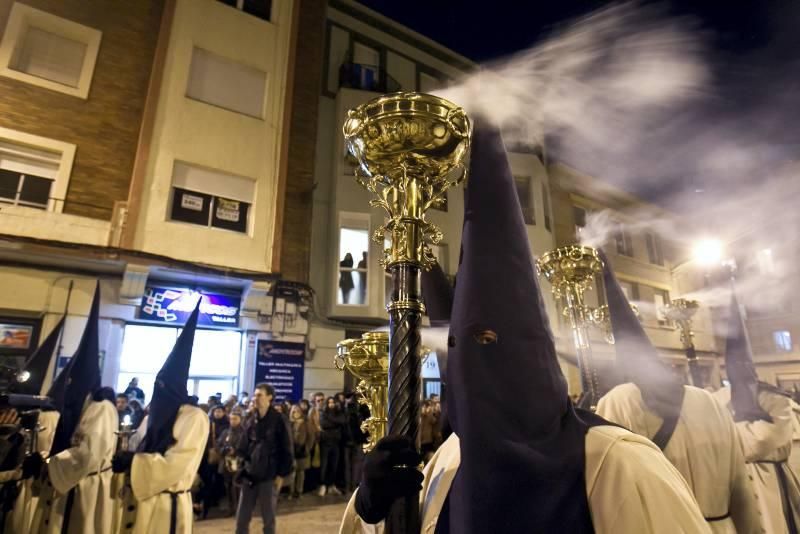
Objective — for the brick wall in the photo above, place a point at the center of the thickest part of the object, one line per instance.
(105, 127)
(298, 200)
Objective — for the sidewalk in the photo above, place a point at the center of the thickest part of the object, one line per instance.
(310, 515)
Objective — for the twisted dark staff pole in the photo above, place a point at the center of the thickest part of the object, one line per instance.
(694, 366)
(405, 318)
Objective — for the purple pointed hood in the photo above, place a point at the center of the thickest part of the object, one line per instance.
(169, 392)
(740, 369)
(79, 379)
(438, 294)
(522, 444)
(637, 358)
(39, 362)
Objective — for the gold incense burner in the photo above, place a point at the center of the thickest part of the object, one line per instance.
(570, 271)
(410, 149)
(681, 311)
(368, 360)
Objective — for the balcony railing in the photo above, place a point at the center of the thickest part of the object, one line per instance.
(367, 78)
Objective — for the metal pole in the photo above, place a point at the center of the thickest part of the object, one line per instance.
(583, 349)
(61, 334)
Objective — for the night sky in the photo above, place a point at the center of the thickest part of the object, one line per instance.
(754, 57)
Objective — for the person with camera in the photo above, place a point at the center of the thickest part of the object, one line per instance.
(266, 449)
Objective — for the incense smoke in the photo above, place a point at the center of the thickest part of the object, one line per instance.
(638, 100)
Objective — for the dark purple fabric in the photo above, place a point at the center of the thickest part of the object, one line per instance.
(39, 362)
(438, 295)
(522, 444)
(637, 359)
(170, 392)
(740, 369)
(80, 378)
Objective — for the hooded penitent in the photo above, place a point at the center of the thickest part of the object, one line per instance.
(38, 364)
(637, 359)
(740, 369)
(79, 379)
(170, 392)
(522, 442)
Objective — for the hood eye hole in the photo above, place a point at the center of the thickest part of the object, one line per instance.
(451, 341)
(485, 337)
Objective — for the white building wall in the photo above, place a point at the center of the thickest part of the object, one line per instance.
(202, 134)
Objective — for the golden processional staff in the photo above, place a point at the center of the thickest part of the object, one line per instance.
(410, 149)
(681, 312)
(570, 271)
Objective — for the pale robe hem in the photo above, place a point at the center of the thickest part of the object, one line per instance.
(764, 443)
(84, 468)
(630, 486)
(704, 448)
(19, 521)
(148, 503)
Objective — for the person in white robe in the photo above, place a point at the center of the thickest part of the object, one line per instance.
(160, 473)
(630, 486)
(78, 479)
(696, 435)
(76, 493)
(767, 446)
(21, 517)
(522, 458)
(794, 458)
(763, 418)
(705, 450)
(36, 368)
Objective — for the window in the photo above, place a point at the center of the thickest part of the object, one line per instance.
(661, 299)
(654, 249)
(230, 85)
(353, 266)
(42, 49)
(258, 8)
(623, 242)
(210, 198)
(783, 340)
(34, 171)
(428, 82)
(546, 205)
(363, 72)
(215, 358)
(630, 289)
(579, 216)
(525, 195)
(766, 262)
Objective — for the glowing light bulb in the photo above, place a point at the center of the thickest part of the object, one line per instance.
(24, 376)
(708, 251)
(126, 420)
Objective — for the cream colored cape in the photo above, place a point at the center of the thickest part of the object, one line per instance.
(630, 486)
(704, 448)
(763, 444)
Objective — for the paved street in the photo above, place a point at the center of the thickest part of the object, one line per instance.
(311, 515)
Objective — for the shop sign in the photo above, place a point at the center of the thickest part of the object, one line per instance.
(174, 305)
(281, 364)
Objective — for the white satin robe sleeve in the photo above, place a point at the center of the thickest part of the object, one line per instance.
(95, 442)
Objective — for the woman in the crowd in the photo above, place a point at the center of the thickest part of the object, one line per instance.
(332, 422)
(429, 427)
(301, 435)
(213, 486)
(230, 463)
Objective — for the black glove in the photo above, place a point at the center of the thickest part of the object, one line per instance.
(32, 466)
(122, 462)
(390, 472)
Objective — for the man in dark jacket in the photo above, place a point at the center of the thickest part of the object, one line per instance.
(267, 455)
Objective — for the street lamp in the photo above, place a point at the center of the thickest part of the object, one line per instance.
(707, 252)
